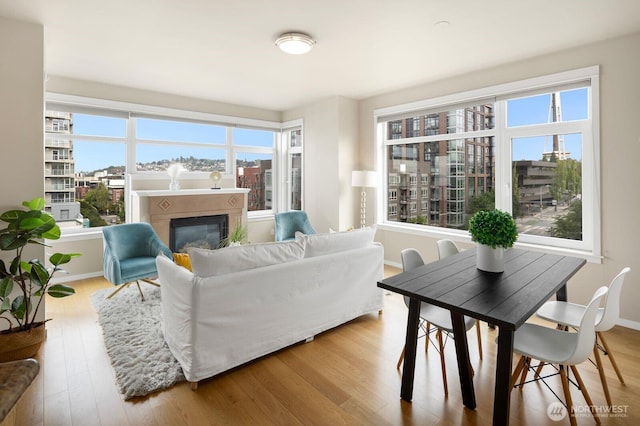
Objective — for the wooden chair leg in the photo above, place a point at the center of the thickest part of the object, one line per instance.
(516, 372)
(539, 370)
(479, 333)
(610, 355)
(194, 386)
(444, 367)
(567, 395)
(427, 328)
(525, 370)
(587, 398)
(401, 358)
(603, 377)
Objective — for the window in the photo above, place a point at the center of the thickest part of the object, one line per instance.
(92, 146)
(537, 139)
(293, 143)
(198, 146)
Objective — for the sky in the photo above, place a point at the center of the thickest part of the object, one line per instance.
(535, 110)
(92, 155)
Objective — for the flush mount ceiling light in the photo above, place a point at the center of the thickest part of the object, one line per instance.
(295, 43)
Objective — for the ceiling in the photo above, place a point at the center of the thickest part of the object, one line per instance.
(224, 50)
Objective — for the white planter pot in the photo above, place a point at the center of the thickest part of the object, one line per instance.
(489, 259)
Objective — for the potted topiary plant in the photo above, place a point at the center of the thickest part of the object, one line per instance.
(30, 278)
(494, 231)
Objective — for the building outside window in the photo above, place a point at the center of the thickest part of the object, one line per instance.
(539, 144)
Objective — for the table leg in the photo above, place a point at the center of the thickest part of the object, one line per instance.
(502, 394)
(561, 294)
(464, 364)
(411, 343)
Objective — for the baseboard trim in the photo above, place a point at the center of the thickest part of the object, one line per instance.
(68, 278)
(629, 324)
(394, 264)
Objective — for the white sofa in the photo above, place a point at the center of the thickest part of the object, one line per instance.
(241, 303)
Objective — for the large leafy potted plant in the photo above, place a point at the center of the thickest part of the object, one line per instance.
(494, 231)
(30, 279)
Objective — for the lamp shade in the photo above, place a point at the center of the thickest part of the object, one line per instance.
(363, 178)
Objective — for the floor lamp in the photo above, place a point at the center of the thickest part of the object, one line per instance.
(363, 179)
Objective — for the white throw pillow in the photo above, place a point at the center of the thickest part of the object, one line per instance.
(321, 244)
(206, 263)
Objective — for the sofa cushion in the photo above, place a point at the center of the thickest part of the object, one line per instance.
(207, 263)
(182, 259)
(321, 244)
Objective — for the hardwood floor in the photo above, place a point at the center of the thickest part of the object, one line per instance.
(345, 376)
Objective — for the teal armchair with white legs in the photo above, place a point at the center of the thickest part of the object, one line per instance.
(288, 223)
(130, 252)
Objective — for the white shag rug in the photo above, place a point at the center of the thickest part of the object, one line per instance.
(132, 333)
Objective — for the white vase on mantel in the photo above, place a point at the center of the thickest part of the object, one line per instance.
(489, 259)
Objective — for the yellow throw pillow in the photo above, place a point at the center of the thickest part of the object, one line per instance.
(182, 259)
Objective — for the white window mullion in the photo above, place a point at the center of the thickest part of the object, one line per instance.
(502, 152)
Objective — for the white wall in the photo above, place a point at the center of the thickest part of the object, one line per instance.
(21, 120)
(620, 152)
(330, 154)
(21, 112)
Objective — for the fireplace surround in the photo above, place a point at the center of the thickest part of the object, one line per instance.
(158, 207)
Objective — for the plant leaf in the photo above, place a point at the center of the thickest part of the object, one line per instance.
(39, 274)
(11, 216)
(6, 287)
(52, 233)
(11, 241)
(62, 258)
(37, 203)
(13, 268)
(60, 290)
(19, 307)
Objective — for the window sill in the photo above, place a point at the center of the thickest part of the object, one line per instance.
(463, 236)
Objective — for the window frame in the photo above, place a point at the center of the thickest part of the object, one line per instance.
(590, 247)
(286, 157)
(131, 111)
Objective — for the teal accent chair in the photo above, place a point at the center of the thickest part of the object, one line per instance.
(130, 252)
(288, 223)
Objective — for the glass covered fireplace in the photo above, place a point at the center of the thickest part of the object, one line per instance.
(203, 232)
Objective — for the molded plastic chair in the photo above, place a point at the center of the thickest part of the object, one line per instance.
(447, 248)
(432, 315)
(130, 252)
(569, 314)
(566, 349)
(288, 223)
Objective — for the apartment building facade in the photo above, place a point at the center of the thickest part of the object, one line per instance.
(59, 169)
(432, 182)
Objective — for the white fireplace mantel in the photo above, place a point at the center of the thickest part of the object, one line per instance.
(204, 191)
(158, 207)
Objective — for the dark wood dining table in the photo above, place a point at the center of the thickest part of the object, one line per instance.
(505, 300)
